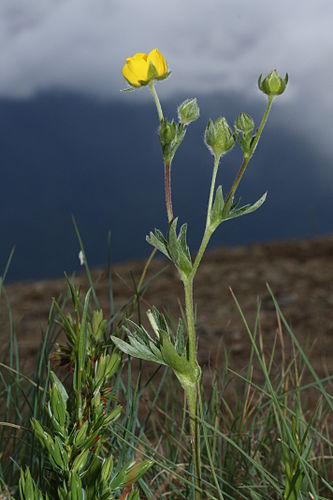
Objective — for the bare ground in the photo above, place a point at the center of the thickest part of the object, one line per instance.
(299, 272)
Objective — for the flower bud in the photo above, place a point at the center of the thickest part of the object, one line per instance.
(168, 132)
(244, 123)
(273, 84)
(142, 68)
(218, 137)
(171, 135)
(188, 111)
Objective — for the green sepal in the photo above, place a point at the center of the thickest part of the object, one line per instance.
(152, 72)
(128, 89)
(163, 77)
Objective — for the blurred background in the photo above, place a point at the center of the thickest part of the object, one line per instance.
(71, 144)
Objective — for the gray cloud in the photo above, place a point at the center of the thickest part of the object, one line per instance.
(81, 45)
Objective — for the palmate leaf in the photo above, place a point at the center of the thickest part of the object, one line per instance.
(137, 349)
(246, 209)
(175, 247)
(158, 241)
(221, 212)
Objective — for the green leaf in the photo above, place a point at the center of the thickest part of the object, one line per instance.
(217, 209)
(80, 461)
(246, 209)
(178, 363)
(81, 434)
(82, 351)
(130, 473)
(107, 467)
(180, 341)
(77, 492)
(177, 248)
(60, 387)
(137, 350)
(183, 242)
(157, 240)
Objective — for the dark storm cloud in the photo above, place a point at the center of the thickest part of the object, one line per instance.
(81, 45)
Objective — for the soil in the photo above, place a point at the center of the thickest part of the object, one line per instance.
(300, 273)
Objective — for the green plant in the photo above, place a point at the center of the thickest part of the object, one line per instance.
(78, 462)
(172, 349)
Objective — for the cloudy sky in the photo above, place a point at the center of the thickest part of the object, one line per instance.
(81, 45)
(216, 49)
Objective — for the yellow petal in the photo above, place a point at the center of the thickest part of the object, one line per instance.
(138, 55)
(130, 76)
(157, 59)
(139, 68)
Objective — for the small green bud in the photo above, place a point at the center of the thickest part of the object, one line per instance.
(168, 132)
(188, 111)
(273, 84)
(218, 137)
(244, 123)
(171, 136)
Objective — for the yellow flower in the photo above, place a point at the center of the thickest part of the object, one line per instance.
(142, 68)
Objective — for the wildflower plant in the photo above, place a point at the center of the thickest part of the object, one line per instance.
(165, 345)
(78, 461)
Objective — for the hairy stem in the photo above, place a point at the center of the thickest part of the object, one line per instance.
(191, 396)
(211, 192)
(188, 289)
(253, 147)
(157, 101)
(167, 166)
(167, 188)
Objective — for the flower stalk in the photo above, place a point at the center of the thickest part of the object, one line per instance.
(189, 389)
(168, 348)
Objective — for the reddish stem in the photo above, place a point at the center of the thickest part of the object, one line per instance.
(167, 186)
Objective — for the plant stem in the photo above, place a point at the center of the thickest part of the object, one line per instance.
(167, 188)
(205, 240)
(188, 289)
(191, 396)
(208, 230)
(212, 189)
(157, 101)
(253, 147)
(167, 166)
(191, 389)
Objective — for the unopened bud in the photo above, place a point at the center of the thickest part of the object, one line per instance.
(219, 137)
(188, 111)
(171, 135)
(273, 84)
(167, 132)
(244, 123)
